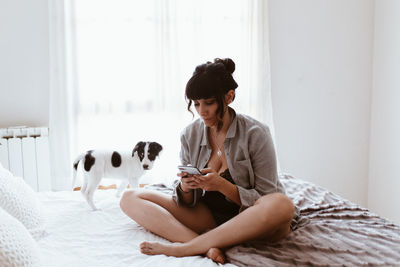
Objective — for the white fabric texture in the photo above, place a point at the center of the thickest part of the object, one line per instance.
(20, 201)
(78, 236)
(17, 247)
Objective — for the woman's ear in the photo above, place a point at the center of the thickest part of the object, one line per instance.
(229, 96)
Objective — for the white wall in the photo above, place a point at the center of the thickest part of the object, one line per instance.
(384, 176)
(24, 63)
(321, 69)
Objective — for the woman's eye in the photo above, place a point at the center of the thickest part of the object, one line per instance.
(196, 104)
(210, 103)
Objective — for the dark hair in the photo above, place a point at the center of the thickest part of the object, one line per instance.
(211, 80)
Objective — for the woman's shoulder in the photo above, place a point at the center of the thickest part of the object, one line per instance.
(196, 126)
(251, 125)
(254, 133)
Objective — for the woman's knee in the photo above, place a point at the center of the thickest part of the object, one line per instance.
(129, 199)
(281, 206)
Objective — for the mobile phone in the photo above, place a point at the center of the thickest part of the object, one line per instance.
(189, 169)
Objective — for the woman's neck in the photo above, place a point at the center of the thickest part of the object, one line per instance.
(226, 121)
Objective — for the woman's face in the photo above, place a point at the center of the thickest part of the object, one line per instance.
(207, 110)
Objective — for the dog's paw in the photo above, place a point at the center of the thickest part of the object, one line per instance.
(94, 208)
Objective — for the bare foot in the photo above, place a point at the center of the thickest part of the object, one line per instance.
(155, 248)
(216, 255)
(178, 250)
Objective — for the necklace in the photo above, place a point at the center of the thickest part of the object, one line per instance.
(219, 152)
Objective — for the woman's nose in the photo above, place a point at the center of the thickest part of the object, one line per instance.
(202, 110)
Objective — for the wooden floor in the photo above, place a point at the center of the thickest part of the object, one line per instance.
(111, 186)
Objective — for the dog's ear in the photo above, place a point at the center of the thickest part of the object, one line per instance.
(138, 146)
(155, 148)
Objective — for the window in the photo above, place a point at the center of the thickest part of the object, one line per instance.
(133, 59)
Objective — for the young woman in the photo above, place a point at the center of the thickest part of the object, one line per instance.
(237, 198)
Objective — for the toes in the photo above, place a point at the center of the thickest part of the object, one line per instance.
(216, 255)
(146, 248)
(144, 244)
(220, 259)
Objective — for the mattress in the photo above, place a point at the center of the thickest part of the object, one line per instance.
(333, 232)
(77, 236)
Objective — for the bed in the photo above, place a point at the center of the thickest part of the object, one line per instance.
(338, 233)
(334, 232)
(77, 236)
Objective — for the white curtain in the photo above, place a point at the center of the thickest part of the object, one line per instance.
(133, 59)
(62, 95)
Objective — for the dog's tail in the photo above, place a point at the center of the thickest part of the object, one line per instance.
(75, 168)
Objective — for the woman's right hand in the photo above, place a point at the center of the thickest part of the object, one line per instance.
(188, 182)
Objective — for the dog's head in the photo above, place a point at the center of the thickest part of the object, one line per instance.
(147, 153)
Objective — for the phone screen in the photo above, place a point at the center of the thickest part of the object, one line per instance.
(189, 169)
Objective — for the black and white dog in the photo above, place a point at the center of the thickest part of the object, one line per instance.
(125, 165)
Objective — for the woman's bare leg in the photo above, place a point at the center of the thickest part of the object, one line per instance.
(269, 219)
(159, 213)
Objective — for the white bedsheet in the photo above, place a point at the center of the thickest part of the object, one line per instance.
(77, 236)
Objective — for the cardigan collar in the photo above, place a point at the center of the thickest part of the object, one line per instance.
(229, 134)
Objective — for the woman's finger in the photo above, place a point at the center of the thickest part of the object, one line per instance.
(188, 179)
(190, 183)
(183, 174)
(201, 178)
(192, 186)
(206, 170)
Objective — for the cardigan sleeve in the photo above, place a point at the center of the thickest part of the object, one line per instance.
(262, 166)
(185, 160)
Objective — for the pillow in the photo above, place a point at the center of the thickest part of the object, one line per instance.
(19, 200)
(17, 247)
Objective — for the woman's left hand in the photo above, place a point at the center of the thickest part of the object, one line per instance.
(210, 180)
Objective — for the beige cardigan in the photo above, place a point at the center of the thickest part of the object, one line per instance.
(250, 155)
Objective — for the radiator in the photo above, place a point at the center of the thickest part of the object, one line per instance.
(25, 152)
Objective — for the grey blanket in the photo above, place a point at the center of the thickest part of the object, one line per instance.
(338, 233)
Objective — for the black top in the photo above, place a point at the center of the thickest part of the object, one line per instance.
(221, 208)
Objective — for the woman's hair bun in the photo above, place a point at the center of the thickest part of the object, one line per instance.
(211, 79)
(228, 63)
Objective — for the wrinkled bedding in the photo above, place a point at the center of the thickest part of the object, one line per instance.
(338, 233)
(76, 236)
(334, 232)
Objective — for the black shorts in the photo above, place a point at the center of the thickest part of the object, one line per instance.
(221, 209)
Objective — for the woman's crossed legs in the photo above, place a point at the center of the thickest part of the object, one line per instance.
(269, 218)
(159, 213)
